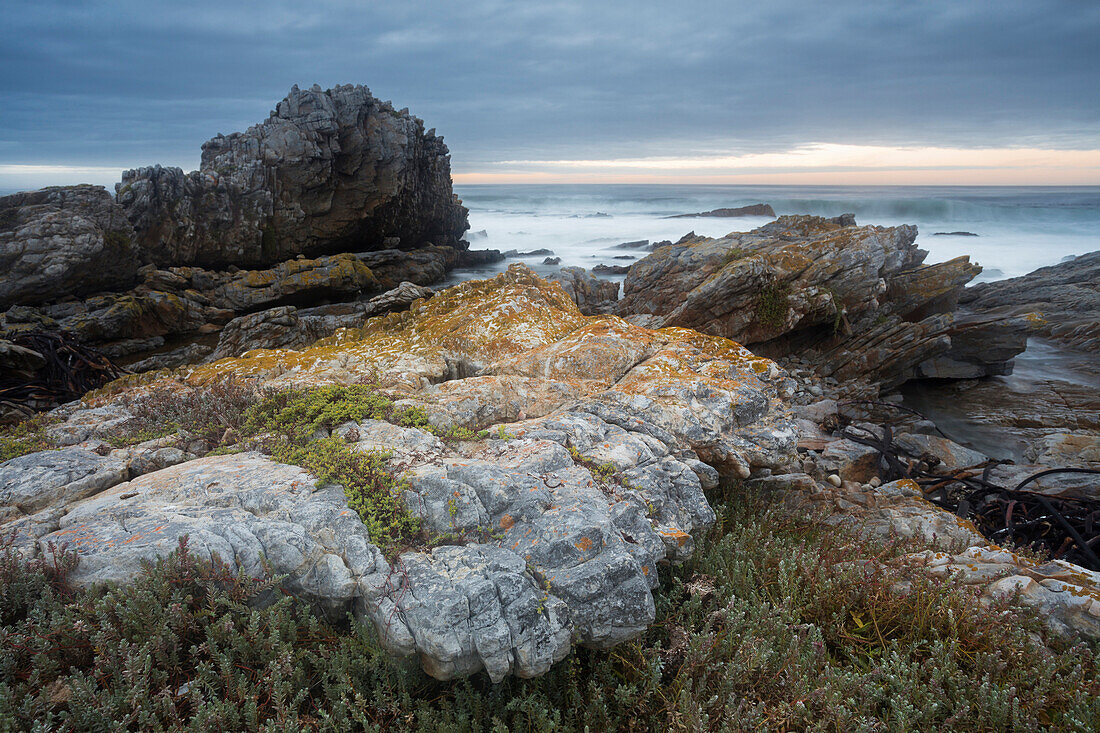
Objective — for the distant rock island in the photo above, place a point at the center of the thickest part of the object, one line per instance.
(751, 210)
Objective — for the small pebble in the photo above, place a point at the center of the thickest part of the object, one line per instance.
(834, 480)
(875, 482)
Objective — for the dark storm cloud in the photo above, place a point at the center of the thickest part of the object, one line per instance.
(130, 82)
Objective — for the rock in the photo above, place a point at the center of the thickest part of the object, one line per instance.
(326, 169)
(856, 301)
(610, 269)
(954, 234)
(16, 358)
(335, 277)
(556, 548)
(532, 253)
(751, 210)
(552, 261)
(36, 481)
(589, 293)
(980, 347)
(1065, 450)
(951, 455)
(479, 257)
(189, 354)
(1059, 302)
(287, 327)
(61, 242)
(1064, 594)
(850, 461)
(637, 244)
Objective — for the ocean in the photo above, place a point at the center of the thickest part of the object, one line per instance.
(1019, 229)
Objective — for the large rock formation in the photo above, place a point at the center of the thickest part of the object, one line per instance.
(608, 435)
(1061, 302)
(858, 299)
(328, 171)
(337, 175)
(63, 241)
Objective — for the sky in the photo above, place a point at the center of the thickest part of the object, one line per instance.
(784, 91)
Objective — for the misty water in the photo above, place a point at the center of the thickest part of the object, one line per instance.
(1019, 229)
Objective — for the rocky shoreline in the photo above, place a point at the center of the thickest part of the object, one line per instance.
(494, 472)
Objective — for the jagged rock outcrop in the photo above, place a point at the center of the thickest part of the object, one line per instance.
(856, 300)
(328, 171)
(336, 197)
(612, 434)
(63, 241)
(1061, 302)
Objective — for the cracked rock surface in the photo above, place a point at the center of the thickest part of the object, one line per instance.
(603, 438)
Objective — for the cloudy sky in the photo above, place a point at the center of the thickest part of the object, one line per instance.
(784, 91)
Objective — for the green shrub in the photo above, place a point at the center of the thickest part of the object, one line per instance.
(28, 436)
(772, 306)
(779, 623)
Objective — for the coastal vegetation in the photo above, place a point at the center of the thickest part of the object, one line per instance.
(778, 623)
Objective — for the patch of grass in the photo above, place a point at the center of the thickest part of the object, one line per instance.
(772, 306)
(28, 436)
(779, 623)
(733, 254)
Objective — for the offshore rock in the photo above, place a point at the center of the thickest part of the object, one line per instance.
(606, 435)
(751, 210)
(63, 241)
(333, 170)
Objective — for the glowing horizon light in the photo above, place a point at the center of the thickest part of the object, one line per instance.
(816, 163)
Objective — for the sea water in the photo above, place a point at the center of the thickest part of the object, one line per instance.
(1018, 229)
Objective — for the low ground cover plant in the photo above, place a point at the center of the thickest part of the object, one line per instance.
(778, 623)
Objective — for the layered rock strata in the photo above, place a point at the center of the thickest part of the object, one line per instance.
(335, 197)
(856, 299)
(1060, 302)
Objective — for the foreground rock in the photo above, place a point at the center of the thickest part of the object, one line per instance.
(604, 436)
(63, 241)
(855, 300)
(1061, 302)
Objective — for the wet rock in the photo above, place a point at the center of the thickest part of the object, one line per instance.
(610, 269)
